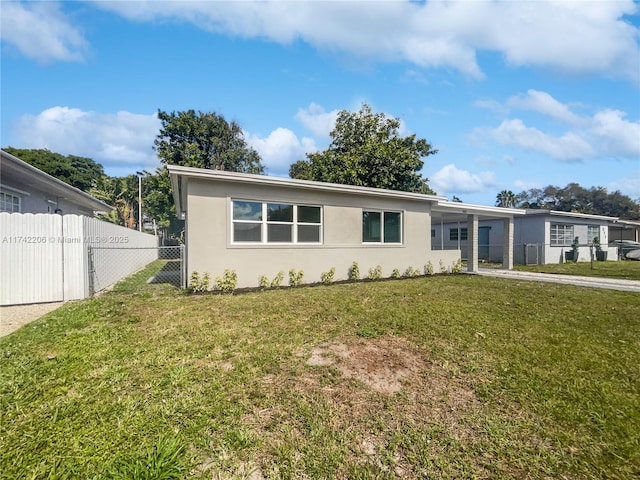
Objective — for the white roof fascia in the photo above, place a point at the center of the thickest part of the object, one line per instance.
(472, 209)
(559, 213)
(248, 178)
(177, 172)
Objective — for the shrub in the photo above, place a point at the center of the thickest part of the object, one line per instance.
(395, 273)
(428, 268)
(228, 282)
(410, 272)
(263, 282)
(375, 273)
(295, 278)
(354, 272)
(277, 280)
(456, 267)
(443, 268)
(327, 277)
(197, 284)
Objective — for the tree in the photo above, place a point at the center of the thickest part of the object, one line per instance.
(575, 198)
(204, 140)
(506, 198)
(366, 150)
(79, 172)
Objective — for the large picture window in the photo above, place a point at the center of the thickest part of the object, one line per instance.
(381, 227)
(561, 234)
(265, 222)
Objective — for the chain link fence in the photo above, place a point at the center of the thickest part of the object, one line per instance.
(108, 265)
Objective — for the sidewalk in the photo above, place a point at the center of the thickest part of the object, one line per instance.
(595, 282)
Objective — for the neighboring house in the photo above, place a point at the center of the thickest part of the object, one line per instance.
(25, 189)
(259, 225)
(540, 236)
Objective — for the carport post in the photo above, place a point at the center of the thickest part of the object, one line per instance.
(507, 244)
(472, 243)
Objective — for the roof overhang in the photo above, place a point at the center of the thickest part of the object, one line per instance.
(445, 211)
(30, 175)
(440, 207)
(558, 213)
(178, 174)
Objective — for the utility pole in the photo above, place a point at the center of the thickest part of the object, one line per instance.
(140, 175)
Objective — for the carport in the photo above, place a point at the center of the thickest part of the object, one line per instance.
(445, 212)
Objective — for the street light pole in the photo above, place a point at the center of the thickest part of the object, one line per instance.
(140, 174)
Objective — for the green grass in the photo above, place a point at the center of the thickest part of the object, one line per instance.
(625, 269)
(511, 380)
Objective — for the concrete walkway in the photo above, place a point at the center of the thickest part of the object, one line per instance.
(14, 317)
(595, 282)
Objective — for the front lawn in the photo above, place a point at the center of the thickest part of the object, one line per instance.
(624, 269)
(442, 377)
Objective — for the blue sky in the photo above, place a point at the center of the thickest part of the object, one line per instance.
(515, 95)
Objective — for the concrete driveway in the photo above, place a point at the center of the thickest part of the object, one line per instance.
(594, 282)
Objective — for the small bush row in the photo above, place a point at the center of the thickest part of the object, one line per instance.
(228, 282)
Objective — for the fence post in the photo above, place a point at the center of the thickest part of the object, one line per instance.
(91, 270)
(183, 269)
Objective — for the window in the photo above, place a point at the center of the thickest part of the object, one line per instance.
(262, 222)
(9, 202)
(453, 234)
(592, 232)
(381, 227)
(561, 234)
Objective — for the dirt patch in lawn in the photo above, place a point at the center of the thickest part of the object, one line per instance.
(384, 364)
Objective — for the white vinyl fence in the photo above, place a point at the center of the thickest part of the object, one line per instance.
(45, 258)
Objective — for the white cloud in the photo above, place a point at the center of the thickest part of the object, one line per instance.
(574, 37)
(569, 146)
(544, 103)
(280, 149)
(317, 120)
(40, 31)
(607, 133)
(629, 185)
(116, 140)
(451, 179)
(615, 135)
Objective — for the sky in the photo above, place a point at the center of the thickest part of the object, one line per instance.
(514, 94)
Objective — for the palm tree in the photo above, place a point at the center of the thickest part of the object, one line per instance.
(506, 198)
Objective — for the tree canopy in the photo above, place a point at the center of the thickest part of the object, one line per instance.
(204, 140)
(367, 150)
(79, 172)
(574, 198)
(506, 198)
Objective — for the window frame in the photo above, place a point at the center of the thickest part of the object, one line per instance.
(561, 240)
(382, 223)
(3, 202)
(590, 236)
(462, 233)
(264, 223)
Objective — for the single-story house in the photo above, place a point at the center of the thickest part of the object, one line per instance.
(540, 236)
(260, 225)
(26, 189)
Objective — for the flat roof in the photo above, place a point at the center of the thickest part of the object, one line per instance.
(439, 203)
(559, 213)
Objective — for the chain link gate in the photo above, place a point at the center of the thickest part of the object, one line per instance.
(108, 265)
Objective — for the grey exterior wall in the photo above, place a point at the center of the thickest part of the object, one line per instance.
(534, 231)
(39, 201)
(209, 246)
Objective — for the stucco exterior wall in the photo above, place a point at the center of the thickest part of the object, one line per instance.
(210, 249)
